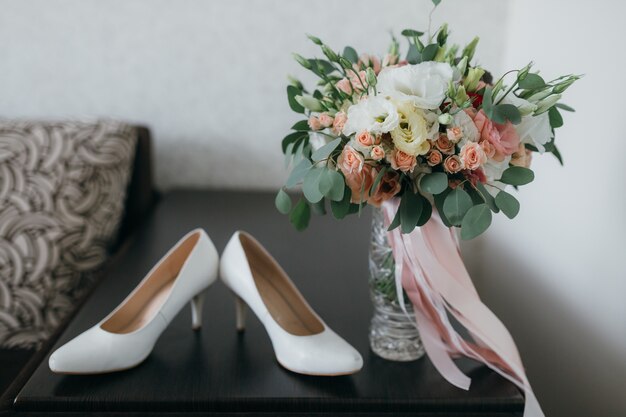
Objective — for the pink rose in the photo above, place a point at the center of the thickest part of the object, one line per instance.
(488, 148)
(455, 134)
(444, 144)
(452, 164)
(314, 123)
(344, 86)
(377, 153)
(339, 122)
(387, 188)
(326, 120)
(365, 138)
(358, 80)
(360, 183)
(503, 137)
(434, 158)
(403, 161)
(472, 155)
(350, 160)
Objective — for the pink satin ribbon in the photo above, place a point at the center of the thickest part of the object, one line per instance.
(430, 269)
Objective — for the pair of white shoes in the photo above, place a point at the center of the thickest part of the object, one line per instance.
(302, 342)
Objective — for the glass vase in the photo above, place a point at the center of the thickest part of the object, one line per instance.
(393, 333)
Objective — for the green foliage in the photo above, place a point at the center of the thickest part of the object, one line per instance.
(300, 215)
(487, 197)
(434, 183)
(292, 92)
(436, 2)
(499, 113)
(565, 107)
(283, 202)
(532, 82)
(294, 139)
(517, 176)
(311, 185)
(429, 52)
(508, 204)
(556, 120)
(456, 204)
(298, 173)
(341, 208)
(350, 54)
(475, 222)
(410, 210)
(325, 151)
(332, 185)
(410, 33)
(301, 126)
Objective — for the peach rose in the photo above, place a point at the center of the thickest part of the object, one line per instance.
(455, 134)
(472, 155)
(387, 188)
(488, 148)
(350, 160)
(434, 158)
(452, 164)
(365, 139)
(325, 119)
(360, 183)
(314, 123)
(521, 157)
(444, 144)
(377, 153)
(339, 122)
(403, 161)
(503, 137)
(344, 86)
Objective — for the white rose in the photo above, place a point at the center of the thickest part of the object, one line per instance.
(534, 130)
(468, 128)
(374, 114)
(424, 84)
(493, 171)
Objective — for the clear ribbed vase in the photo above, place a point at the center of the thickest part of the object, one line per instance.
(393, 333)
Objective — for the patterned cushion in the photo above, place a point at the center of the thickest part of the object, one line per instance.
(62, 193)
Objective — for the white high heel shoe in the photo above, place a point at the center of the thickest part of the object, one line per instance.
(302, 342)
(126, 336)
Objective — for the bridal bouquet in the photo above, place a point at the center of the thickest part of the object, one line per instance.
(426, 126)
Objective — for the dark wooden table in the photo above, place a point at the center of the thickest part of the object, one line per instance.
(220, 371)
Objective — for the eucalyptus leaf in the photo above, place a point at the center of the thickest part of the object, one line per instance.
(410, 209)
(436, 2)
(428, 54)
(300, 215)
(395, 222)
(332, 185)
(475, 222)
(532, 82)
(298, 173)
(489, 200)
(434, 183)
(427, 211)
(508, 204)
(283, 202)
(350, 54)
(319, 208)
(556, 120)
(565, 107)
(292, 138)
(517, 176)
(413, 56)
(325, 151)
(302, 126)
(321, 66)
(341, 208)
(504, 112)
(456, 204)
(311, 185)
(292, 92)
(439, 200)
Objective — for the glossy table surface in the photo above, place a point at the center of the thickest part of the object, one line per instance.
(219, 370)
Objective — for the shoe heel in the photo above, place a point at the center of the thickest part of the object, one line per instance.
(196, 311)
(240, 313)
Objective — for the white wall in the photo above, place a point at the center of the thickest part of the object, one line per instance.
(556, 273)
(208, 77)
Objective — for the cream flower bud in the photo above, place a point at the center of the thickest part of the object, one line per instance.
(545, 104)
(473, 77)
(445, 118)
(310, 103)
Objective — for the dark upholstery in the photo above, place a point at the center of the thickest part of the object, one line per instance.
(14, 363)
